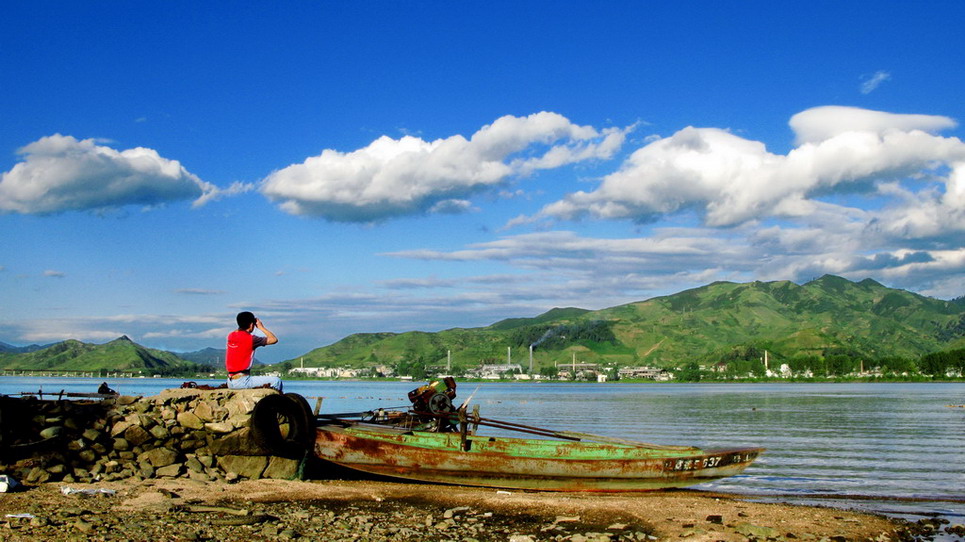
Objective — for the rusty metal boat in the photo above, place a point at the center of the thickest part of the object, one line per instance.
(524, 463)
(437, 443)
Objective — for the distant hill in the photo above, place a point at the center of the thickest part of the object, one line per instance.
(827, 316)
(210, 357)
(121, 354)
(11, 349)
(551, 315)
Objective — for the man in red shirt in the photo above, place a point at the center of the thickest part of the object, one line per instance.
(240, 353)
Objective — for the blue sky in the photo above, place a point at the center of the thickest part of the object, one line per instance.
(344, 167)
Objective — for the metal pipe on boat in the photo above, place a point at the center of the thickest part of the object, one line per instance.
(510, 425)
(349, 414)
(506, 425)
(570, 435)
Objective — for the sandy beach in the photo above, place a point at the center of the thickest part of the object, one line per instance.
(179, 509)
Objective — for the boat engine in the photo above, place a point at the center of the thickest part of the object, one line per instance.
(435, 397)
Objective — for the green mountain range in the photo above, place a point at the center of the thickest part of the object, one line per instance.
(121, 354)
(825, 317)
(9, 348)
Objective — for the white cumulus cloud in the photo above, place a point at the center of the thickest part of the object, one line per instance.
(406, 176)
(730, 180)
(60, 173)
(826, 122)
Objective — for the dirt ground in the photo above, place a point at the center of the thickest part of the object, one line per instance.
(180, 509)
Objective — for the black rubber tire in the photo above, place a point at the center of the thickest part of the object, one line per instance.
(269, 416)
(308, 417)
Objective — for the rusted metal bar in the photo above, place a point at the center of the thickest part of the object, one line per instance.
(511, 424)
(502, 425)
(463, 430)
(357, 414)
(524, 429)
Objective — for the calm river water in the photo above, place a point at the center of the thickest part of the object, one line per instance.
(891, 448)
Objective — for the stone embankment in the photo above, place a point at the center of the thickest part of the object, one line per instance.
(204, 435)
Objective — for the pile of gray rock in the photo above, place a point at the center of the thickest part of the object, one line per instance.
(201, 434)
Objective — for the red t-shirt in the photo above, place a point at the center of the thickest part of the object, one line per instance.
(240, 350)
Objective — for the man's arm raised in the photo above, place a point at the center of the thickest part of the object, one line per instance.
(271, 339)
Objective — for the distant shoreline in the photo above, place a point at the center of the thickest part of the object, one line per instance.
(840, 380)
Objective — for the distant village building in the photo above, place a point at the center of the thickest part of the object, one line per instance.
(494, 371)
(783, 372)
(874, 371)
(326, 372)
(577, 367)
(578, 371)
(321, 372)
(649, 373)
(586, 374)
(384, 370)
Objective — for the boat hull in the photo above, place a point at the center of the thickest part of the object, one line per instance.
(531, 464)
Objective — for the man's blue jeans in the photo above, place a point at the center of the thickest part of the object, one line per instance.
(247, 381)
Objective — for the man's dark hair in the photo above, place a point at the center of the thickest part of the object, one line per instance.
(245, 319)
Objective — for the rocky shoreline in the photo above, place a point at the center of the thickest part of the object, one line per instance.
(184, 466)
(362, 511)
